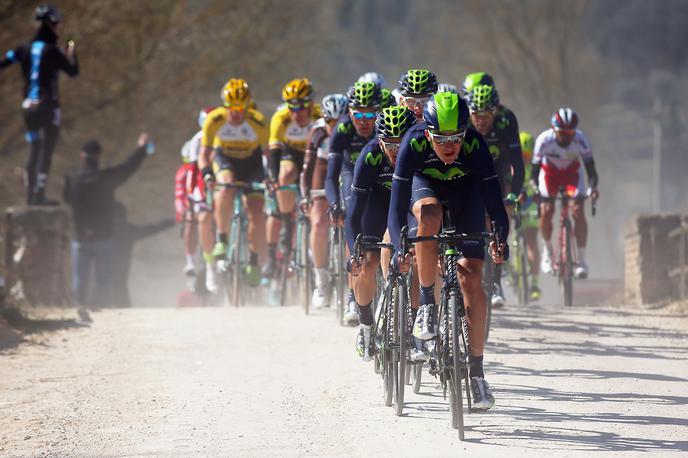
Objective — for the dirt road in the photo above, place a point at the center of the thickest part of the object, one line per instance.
(271, 382)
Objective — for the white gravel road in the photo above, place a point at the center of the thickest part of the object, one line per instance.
(265, 381)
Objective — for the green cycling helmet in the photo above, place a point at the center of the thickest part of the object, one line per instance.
(483, 97)
(394, 122)
(364, 95)
(474, 79)
(446, 112)
(387, 99)
(418, 82)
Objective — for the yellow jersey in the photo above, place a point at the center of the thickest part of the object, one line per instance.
(285, 132)
(235, 141)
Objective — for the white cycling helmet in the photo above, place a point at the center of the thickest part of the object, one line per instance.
(446, 87)
(373, 78)
(334, 106)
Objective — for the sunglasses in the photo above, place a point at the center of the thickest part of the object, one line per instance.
(361, 115)
(391, 145)
(413, 102)
(237, 108)
(565, 131)
(298, 106)
(441, 139)
(484, 112)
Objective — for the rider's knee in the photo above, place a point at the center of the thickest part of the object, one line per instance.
(430, 213)
(471, 283)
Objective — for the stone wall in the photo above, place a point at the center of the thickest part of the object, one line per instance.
(36, 248)
(649, 255)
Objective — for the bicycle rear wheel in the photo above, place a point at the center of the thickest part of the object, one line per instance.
(566, 278)
(523, 289)
(235, 261)
(304, 264)
(416, 376)
(403, 336)
(340, 275)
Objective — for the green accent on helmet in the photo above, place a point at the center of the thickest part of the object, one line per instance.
(394, 122)
(418, 82)
(344, 128)
(472, 146)
(419, 146)
(527, 141)
(373, 160)
(447, 111)
(494, 151)
(482, 98)
(388, 99)
(365, 94)
(474, 79)
(354, 156)
(450, 174)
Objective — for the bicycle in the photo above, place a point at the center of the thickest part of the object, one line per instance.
(286, 267)
(452, 352)
(519, 256)
(565, 259)
(233, 269)
(339, 276)
(302, 261)
(394, 324)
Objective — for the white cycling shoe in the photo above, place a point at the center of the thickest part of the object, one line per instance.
(212, 283)
(581, 270)
(481, 394)
(420, 352)
(546, 263)
(321, 298)
(189, 269)
(364, 343)
(351, 314)
(498, 300)
(424, 326)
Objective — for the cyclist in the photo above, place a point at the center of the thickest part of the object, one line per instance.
(313, 176)
(373, 77)
(41, 60)
(387, 99)
(415, 88)
(350, 135)
(475, 79)
(368, 209)
(237, 135)
(557, 163)
(190, 202)
(499, 128)
(442, 160)
(289, 130)
(447, 87)
(529, 217)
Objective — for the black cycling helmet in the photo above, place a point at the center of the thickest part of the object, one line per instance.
(394, 122)
(483, 97)
(474, 79)
(47, 13)
(387, 99)
(446, 112)
(418, 82)
(364, 95)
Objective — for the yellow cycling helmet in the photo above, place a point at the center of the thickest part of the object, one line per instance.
(298, 89)
(527, 144)
(235, 93)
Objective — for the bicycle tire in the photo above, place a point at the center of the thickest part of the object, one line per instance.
(567, 278)
(340, 288)
(305, 264)
(489, 290)
(523, 274)
(416, 376)
(235, 260)
(402, 352)
(388, 364)
(455, 389)
(284, 274)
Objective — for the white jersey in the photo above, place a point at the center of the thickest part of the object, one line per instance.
(192, 149)
(550, 154)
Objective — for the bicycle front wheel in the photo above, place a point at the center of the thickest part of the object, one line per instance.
(455, 390)
(403, 336)
(305, 265)
(566, 278)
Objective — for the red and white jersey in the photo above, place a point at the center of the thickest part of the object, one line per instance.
(552, 155)
(192, 149)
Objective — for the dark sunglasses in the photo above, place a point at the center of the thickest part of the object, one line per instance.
(361, 115)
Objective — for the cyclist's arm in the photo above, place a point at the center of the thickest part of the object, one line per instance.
(491, 190)
(335, 156)
(536, 163)
(408, 161)
(364, 175)
(308, 163)
(210, 128)
(180, 195)
(274, 156)
(515, 156)
(70, 67)
(593, 178)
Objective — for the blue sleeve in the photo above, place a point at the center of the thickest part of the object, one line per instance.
(408, 161)
(364, 177)
(334, 167)
(11, 57)
(490, 188)
(514, 153)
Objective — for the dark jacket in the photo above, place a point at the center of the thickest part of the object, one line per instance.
(41, 60)
(90, 192)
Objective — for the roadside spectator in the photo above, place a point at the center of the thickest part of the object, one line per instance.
(90, 192)
(41, 60)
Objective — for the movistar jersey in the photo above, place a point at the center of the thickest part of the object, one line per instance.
(344, 148)
(372, 179)
(473, 162)
(504, 145)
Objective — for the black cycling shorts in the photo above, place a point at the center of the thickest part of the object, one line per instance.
(465, 205)
(247, 170)
(294, 156)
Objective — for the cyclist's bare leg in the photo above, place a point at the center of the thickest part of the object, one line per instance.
(546, 214)
(320, 224)
(256, 224)
(428, 213)
(205, 231)
(533, 250)
(190, 235)
(385, 256)
(286, 200)
(273, 225)
(224, 201)
(365, 282)
(580, 223)
(471, 279)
